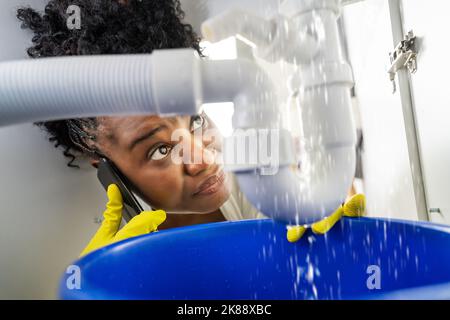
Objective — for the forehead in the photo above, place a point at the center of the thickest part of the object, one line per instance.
(127, 127)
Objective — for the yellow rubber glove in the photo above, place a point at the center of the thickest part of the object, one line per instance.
(145, 222)
(354, 207)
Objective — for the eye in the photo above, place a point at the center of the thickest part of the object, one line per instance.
(197, 122)
(160, 152)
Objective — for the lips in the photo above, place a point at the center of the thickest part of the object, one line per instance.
(211, 184)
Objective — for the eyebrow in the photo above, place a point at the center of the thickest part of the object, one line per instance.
(145, 136)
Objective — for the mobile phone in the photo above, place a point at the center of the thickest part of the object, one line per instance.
(108, 174)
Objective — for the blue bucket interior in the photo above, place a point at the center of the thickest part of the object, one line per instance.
(253, 260)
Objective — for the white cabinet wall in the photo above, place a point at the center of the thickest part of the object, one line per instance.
(407, 134)
(388, 182)
(431, 97)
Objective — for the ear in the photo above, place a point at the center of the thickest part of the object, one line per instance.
(94, 163)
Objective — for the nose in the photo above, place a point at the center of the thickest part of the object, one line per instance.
(201, 158)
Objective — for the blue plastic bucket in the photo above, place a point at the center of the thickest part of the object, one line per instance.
(360, 258)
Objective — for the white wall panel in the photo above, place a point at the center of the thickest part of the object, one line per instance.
(431, 96)
(388, 182)
(47, 210)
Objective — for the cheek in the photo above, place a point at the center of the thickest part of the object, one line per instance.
(162, 188)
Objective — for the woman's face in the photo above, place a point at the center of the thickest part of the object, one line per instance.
(146, 150)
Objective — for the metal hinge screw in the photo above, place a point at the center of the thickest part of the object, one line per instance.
(403, 56)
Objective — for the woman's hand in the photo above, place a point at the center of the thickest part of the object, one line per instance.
(354, 207)
(145, 222)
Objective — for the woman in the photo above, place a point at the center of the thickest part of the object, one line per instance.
(140, 145)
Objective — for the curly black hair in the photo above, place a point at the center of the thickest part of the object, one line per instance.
(107, 27)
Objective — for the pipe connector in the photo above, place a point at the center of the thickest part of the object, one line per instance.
(258, 142)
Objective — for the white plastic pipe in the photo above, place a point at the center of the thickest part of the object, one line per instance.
(167, 82)
(250, 88)
(305, 195)
(88, 86)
